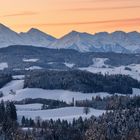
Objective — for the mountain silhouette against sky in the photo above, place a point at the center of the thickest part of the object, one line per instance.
(118, 41)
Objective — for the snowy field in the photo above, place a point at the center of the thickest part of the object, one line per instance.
(62, 95)
(14, 85)
(34, 68)
(67, 113)
(99, 66)
(99, 62)
(18, 77)
(29, 107)
(34, 110)
(69, 65)
(3, 65)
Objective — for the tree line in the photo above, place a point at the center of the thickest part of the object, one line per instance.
(81, 81)
(47, 103)
(8, 120)
(116, 125)
(120, 124)
(111, 103)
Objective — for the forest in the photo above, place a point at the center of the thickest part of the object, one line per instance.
(113, 125)
(111, 103)
(119, 122)
(4, 79)
(81, 81)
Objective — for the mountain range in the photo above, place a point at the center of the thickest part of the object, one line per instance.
(119, 41)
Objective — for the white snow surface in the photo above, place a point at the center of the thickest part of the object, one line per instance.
(3, 65)
(62, 95)
(13, 85)
(99, 62)
(34, 68)
(67, 113)
(30, 60)
(34, 110)
(18, 77)
(29, 107)
(69, 65)
(134, 73)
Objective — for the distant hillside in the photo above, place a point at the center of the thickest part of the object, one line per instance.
(29, 57)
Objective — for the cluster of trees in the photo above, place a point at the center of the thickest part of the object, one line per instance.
(82, 81)
(8, 118)
(47, 103)
(28, 122)
(55, 130)
(1, 94)
(4, 79)
(115, 125)
(111, 103)
(7, 111)
(120, 124)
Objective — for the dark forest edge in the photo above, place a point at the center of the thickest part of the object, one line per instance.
(81, 81)
(4, 79)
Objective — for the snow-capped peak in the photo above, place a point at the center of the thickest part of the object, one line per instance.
(8, 37)
(36, 37)
(74, 40)
(37, 32)
(4, 29)
(117, 41)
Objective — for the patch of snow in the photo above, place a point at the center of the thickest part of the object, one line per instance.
(136, 92)
(16, 69)
(70, 65)
(67, 113)
(18, 77)
(99, 62)
(34, 68)
(134, 72)
(29, 107)
(30, 60)
(50, 63)
(13, 85)
(62, 95)
(26, 128)
(3, 65)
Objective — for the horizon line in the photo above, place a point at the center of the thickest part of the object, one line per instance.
(109, 32)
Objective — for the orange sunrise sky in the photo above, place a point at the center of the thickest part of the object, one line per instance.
(58, 17)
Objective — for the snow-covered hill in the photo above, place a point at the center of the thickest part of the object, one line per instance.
(34, 110)
(67, 113)
(99, 66)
